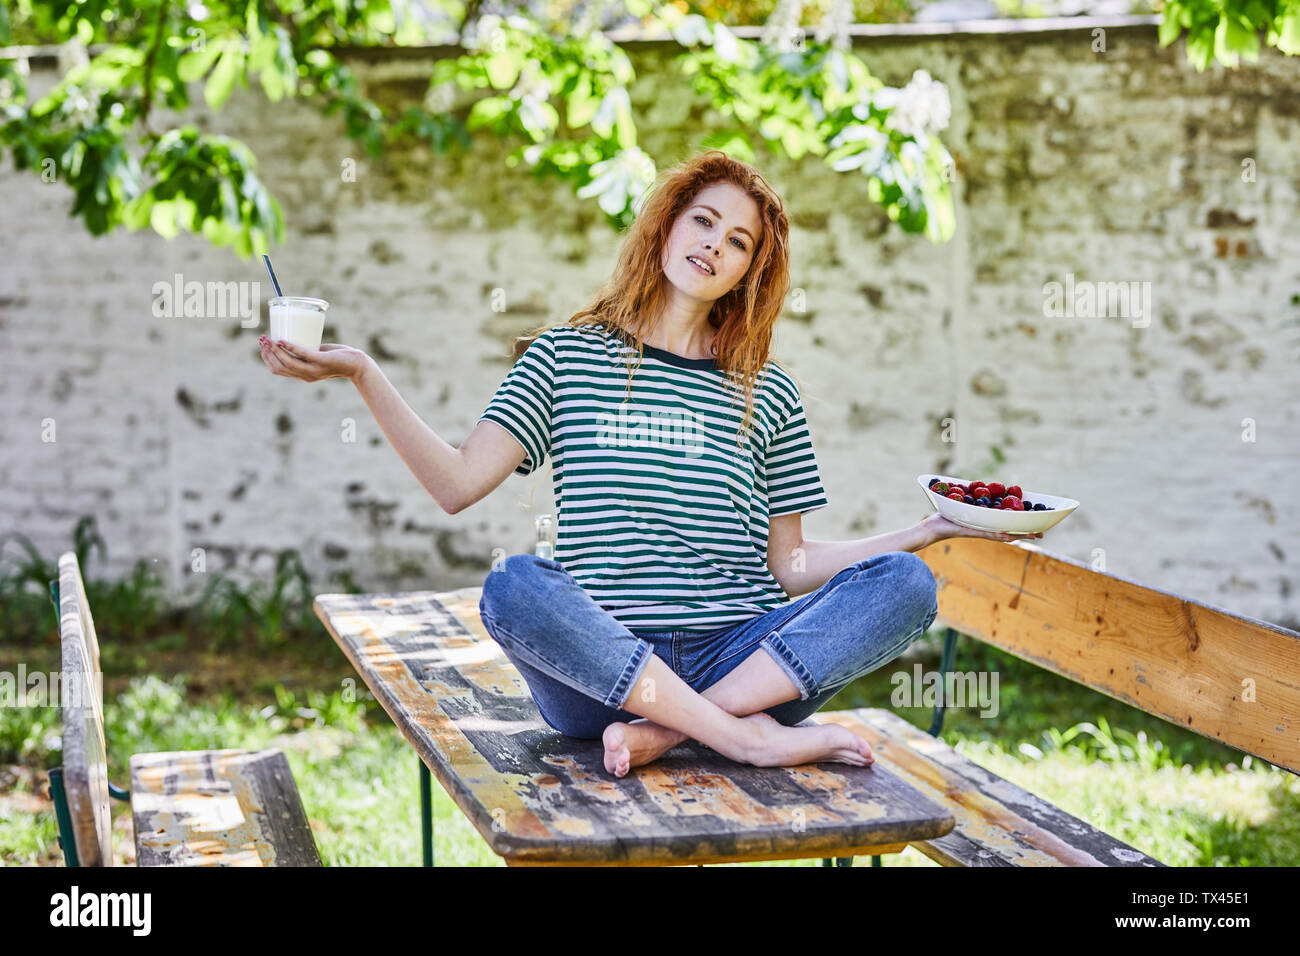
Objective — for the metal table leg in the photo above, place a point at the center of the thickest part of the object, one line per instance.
(426, 813)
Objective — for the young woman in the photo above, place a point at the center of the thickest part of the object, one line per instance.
(682, 466)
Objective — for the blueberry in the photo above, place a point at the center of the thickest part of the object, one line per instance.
(982, 501)
(1039, 506)
(1029, 505)
(968, 499)
(933, 482)
(997, 502)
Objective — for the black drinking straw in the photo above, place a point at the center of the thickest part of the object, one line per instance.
(271, 273)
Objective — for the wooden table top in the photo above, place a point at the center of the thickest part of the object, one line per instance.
(539, 797)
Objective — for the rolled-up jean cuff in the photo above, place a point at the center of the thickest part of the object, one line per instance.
(790, 663)
(631, 674)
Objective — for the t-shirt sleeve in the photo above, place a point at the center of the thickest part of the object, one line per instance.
(794, 483)
(522, 405)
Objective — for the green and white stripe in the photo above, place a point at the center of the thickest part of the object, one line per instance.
(662, 517)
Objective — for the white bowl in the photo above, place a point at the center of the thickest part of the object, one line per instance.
(995, 519)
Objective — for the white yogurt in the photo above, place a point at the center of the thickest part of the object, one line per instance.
(300, 321)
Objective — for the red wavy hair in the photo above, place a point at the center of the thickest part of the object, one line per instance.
(742, 318)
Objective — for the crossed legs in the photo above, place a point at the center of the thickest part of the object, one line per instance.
(863, 617)
(755, 685)
(578, 660)
(672, 709)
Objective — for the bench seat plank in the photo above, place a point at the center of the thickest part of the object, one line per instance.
(219, 808)
(538, 796)
(998, 823)
(85, 759)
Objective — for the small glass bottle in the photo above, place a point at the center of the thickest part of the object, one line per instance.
(546, 537)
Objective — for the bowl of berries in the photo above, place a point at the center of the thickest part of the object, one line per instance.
(993, 506)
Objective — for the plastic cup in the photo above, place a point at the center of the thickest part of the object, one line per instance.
(299, 321)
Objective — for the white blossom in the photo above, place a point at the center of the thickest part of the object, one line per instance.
(782, 26)
(532, 83)
(616, 181)
(921, 107)
(835, 25)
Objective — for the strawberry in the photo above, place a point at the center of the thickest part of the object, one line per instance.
(941, 488)
(1012, 503)
(997, 489)
(1015, 492)
(955, 496)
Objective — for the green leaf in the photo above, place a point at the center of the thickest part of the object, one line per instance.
(229, 202)
(1170, 28)
(196, 64)
(163, 219)
(185, 210)
(219, 233)
(273, 82)
(732, 142)
(792, 141)
(72, 158)
(503, 68)
(1242, 37)
(112, 67)
(537, 118)
(261, 51)
(136, 213)
(277, 228)
(261, 199)
(222, 80)
(582, 104)
(626, 128)
(1289, 34)
(1230, 39)
(611, 106)
(1200, 47)
(487, 111)
(1256, 12)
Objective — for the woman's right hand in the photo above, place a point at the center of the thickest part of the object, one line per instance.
(312, 365)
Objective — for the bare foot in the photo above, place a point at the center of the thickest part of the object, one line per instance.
(637, 743)
(643, 741)
(783, 746)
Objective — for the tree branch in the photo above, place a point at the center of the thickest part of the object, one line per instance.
(471, 14)
(150, 56)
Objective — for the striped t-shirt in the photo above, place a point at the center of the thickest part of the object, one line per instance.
(660, 515)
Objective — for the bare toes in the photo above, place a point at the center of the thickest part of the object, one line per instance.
(617, 756)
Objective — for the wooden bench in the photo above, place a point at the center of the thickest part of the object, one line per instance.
(198, 808)
(1227, 677)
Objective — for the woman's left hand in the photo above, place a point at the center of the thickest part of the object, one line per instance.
(940, 528)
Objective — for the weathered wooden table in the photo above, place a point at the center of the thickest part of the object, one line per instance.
(541, 798)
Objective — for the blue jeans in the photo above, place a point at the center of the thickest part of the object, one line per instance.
(581, 664)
